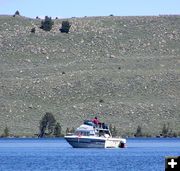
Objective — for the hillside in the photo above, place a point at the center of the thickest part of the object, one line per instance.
(131, 64)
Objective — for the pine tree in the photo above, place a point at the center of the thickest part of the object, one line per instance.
(16, 13)
(47, 124)
(47, 24)
(65, 27)
(114, 131)
(72, 130)
(165, 130)
(57, 130)
(138, 131)
(6, 132)
(33, 30)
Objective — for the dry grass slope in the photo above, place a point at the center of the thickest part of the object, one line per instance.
(131, 63)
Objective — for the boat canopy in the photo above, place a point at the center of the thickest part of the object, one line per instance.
(89, 122)
(85, 128)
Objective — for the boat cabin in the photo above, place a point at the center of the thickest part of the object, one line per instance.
(91, 129)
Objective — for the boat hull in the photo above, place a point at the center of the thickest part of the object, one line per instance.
(113, 143)
(95, 142)
(82, 142)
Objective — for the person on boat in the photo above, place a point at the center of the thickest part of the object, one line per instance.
(96, 121)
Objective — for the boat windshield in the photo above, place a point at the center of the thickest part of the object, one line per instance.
(84, 133)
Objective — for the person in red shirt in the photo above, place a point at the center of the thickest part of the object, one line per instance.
(96, 121)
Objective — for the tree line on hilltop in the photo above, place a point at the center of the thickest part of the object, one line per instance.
(48, 23)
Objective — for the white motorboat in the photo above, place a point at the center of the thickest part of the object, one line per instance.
(90, 135)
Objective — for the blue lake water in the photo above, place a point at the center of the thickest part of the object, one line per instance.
(141, 154)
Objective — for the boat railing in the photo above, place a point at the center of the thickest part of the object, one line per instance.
(102, 126)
